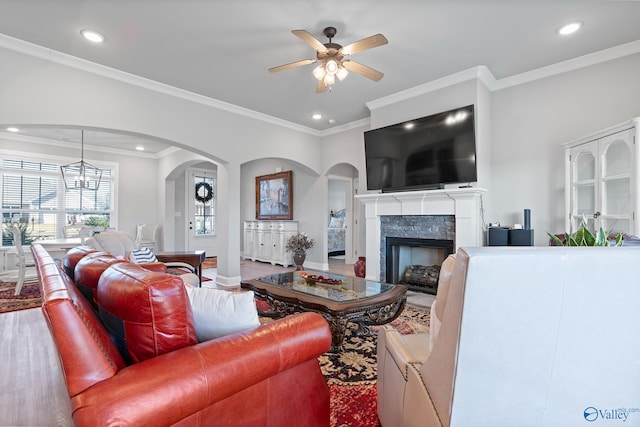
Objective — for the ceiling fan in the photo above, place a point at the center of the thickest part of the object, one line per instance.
(332, 58)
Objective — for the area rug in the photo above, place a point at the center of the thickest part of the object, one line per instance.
(351, 372)
(29, 296)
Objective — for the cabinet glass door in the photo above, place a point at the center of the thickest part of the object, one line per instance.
(616, 156)
(584, 184)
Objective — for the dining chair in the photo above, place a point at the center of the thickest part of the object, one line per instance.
(146, 236)
(22, 262)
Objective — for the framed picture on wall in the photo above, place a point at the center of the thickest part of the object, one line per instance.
(274, 196)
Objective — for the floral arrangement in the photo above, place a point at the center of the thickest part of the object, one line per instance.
(299, 243)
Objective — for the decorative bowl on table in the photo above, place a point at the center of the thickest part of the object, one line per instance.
(312, 279)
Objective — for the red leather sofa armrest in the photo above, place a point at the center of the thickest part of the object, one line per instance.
(171, 387)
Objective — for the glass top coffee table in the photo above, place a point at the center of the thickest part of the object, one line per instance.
(339, 299)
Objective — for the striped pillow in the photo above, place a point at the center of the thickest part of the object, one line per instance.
(142, 255)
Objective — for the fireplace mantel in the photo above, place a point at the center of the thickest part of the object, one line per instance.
(464, 203)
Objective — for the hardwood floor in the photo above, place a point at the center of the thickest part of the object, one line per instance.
(32, 387)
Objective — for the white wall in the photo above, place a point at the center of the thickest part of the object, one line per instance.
(530, 122)
(35, 91)
(337, 195)
(347, 148)
(520, 129)
(309, 199)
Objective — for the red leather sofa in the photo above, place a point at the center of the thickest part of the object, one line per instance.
(269, 376)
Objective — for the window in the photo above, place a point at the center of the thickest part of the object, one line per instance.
(205, 204)
(33, 195)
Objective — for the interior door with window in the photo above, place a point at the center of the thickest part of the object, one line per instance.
(201, 203)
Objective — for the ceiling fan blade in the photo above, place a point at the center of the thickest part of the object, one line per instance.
(310, 40)
(363, 70)
(291, 65)
(364, 44)
(320, 87)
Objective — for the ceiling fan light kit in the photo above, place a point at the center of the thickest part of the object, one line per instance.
(331, 57)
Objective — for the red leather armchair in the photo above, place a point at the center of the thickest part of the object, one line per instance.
(266, 377)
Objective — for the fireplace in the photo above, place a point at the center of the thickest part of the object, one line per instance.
(415, 262)
(447, 214)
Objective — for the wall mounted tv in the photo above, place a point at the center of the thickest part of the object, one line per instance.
(424, 153)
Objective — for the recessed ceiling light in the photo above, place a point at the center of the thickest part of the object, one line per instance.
(13, 129)
(140, 148)
(332, 121)
(92, 36)
(570, 28)
(316, 116)
(409, 125)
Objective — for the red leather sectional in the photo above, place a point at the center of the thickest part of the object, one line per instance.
(269, 376)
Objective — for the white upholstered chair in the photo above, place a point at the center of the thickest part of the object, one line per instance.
(529, 336)
(396, 352)
(22, 264)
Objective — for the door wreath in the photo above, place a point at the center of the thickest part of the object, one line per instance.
(204, 192)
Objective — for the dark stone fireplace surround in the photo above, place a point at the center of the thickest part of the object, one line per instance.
(445, 245)
(414, 227)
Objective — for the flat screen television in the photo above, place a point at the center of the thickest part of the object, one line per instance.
(424, 153)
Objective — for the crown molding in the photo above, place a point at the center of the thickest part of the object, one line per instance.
(480, 73)
(347, 126)
(588, 60)
(483, 74)
(9, 136)
(54, 56)
(16, 137)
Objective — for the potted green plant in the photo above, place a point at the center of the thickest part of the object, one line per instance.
(298, 244)
(584, 237)
(7, 235)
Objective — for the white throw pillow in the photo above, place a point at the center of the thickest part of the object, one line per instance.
(217, 313)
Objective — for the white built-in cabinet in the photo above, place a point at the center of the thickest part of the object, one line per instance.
(601, 180)
(266, 241)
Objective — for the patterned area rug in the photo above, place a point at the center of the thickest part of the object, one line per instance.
(351, 373)
(29, 296)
